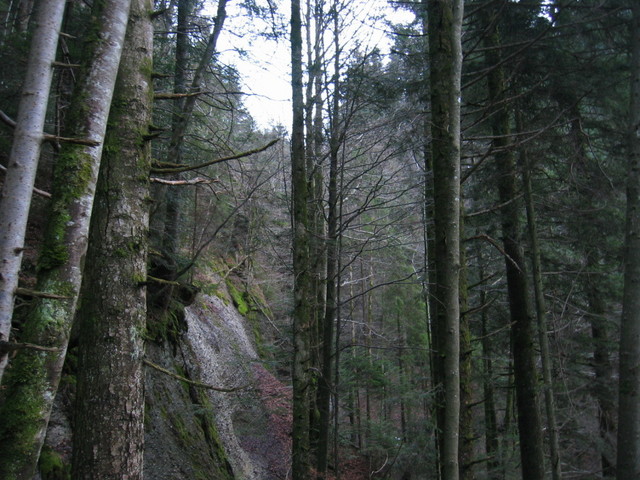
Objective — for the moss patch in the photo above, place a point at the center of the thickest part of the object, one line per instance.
(52, 466)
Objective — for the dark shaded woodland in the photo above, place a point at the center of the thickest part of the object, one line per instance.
(430, 272)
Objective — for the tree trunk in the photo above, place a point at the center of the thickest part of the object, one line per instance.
(24, 156)
(541, 313)
(629, 408)
(331, 305)
(445, 53)
(525, 374)
(301, 261)
(183, 111)
(33, 379)
(109, 413)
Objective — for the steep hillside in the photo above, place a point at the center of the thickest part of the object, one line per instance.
(192, 431)
(228, 419)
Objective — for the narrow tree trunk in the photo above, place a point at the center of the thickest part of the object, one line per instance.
(301, 261)
(467, 397)
(24, 156)
(182, 116)
(525, 374)
(490, 417)
(445, 53)
(33, 379)
(326, 387)
(541, 313)
(109, 414)
(629, 408)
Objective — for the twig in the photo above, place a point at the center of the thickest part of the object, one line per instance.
(7, 120)
(175, 96)
(160, 280)
(192, 382)
(33, 293)
(497, 246)
(6, 347)
(174, 168)
(36, 190)
(193, 181)
(79, 141)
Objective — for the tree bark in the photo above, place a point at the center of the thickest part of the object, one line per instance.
(445, 53)
(541, 313)
(522, 344)
(629, 408)
(109, 414)
(33, 379)
(301, 261)
(325, 387)
(182, 116)
(23, 159)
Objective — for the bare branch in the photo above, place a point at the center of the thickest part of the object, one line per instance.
(36, 190)
(6, 347)
(193, 181)
(174, 168)
(193, 382)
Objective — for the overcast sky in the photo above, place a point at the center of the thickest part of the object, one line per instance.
(264, 65)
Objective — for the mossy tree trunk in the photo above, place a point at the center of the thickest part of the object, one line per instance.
(24, 156)
(33, 378)
(301, 262)
(628, 466)
(109, 411)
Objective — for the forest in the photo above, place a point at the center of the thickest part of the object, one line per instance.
(432, 271)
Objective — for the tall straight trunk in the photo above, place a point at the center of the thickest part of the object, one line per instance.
(301, 261)
(445, 53)
(325, 387)
(522, 343)
(109, 413)
(170, 241)
(33, 379)
(603, 370)
(490, 417)
(467, 397)
(314, 124)
(182, 115)
(23, 159)
(541, 313)
(629, 408)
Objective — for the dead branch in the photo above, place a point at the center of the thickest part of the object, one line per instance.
(36, 190)
(33, 293)
(66, 65)
(497, 246)
(6, 347)
(175, 96)
(7, 120)
(175, 168)
(193, 382)
(193, 181)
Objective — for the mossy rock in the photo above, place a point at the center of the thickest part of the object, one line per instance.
(52, 466)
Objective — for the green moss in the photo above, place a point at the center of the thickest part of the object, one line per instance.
(166, 326)
(52, 466)
(238, 299)
(21, 412)
(73, 173)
